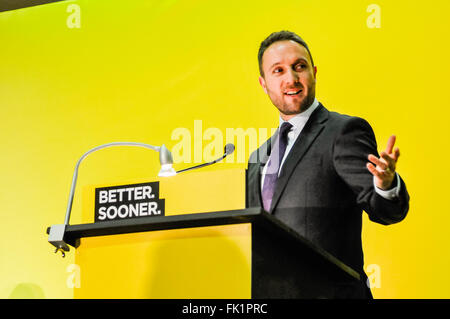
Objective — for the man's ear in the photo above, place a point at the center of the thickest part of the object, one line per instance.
(315, 73)
(263, 83)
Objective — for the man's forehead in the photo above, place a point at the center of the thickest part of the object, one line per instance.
(285, 50)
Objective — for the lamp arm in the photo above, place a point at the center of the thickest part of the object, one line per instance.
(75, 173)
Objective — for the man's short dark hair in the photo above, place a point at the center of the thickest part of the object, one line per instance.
(280, 36)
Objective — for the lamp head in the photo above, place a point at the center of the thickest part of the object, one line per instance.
(166, 161)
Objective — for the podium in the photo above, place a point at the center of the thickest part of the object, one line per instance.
(232, 254)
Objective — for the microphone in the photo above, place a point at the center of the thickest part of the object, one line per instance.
(228, 149)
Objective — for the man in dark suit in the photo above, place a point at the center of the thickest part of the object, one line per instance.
(321, 169)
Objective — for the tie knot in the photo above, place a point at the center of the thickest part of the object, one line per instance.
(285, 128)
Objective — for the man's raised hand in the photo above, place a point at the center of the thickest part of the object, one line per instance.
(383, 168)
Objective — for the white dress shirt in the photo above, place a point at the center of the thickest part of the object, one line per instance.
(298, 123)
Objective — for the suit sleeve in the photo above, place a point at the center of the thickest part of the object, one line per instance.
(350, 151)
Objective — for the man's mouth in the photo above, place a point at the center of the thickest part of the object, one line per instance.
(293, 92)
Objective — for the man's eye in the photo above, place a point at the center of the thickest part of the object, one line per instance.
(301, 66)
(277, 70)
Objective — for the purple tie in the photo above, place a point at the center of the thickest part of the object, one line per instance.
(271, 176)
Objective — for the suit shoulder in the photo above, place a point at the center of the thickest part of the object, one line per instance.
(253, 157)
(257, 155)
(352, 132)
(345, 122)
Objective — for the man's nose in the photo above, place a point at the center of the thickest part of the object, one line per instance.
(292, 77)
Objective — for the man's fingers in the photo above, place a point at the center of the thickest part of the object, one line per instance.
(383, 167)
(378, 162)
(390, 144)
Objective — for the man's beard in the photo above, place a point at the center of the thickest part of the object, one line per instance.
(304, 105)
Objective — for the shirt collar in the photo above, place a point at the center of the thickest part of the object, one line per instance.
(299, 120)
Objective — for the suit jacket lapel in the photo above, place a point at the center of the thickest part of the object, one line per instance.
(309, 133)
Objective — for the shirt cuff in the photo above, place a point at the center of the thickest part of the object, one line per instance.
(389, 194)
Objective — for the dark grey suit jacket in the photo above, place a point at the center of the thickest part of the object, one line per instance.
(324, 185)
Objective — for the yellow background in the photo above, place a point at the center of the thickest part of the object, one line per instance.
(136, 70)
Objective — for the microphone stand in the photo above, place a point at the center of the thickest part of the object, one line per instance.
(229, 148)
